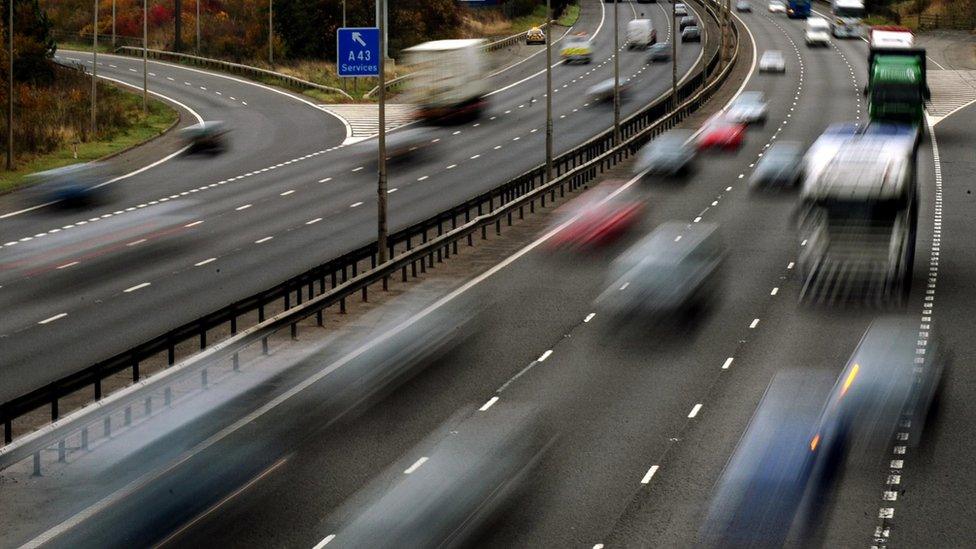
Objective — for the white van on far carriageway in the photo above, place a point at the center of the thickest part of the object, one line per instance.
(641, 34)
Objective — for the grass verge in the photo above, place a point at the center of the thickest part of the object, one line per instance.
(144, 127)
(569, 16)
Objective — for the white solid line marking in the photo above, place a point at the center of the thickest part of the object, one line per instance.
(136, 242)
(324, 542)
(544, 356)
(727, 363)
(137, 287)
(313, 221)
(774, 291)
(194, 224)
(286, 193)
(262, 240)
(649, 474)
(204, 262)
(589, 317)
(491, 402)
(755, 322)
(53, 318)
(357, 169)
(416, 465)
(694, 411)
(66, 265)
(356, 205)
(244, 207)
(326, 180)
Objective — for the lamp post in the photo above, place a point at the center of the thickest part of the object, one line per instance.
(381, 194)
(10, 87)
(94, 92)
(616, 78)
(198, 27)
(674, 54)
(548, 92)
(145, 55)
(113, 25)
(271, 32)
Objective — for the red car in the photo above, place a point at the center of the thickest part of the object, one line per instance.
(596, 219)
(721, 134)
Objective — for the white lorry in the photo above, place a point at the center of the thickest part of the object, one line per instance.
(818, 32)
(641, 34)
(846, 21)
(448, 79)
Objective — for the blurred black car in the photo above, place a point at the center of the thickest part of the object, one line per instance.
(71, 186)
(208, 136)
(691, 34)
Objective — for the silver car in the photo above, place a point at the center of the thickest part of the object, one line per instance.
(780, 165)
(772, 61)
(680, 9)
(748, 108)
(669, 154)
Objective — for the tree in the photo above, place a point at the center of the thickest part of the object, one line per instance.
(33, 44)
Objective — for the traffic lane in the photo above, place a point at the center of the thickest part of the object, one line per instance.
(246, 201)
(932, 506)
(269, 130)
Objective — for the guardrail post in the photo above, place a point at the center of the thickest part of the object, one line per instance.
(454, 226)
(171, 354)
(287, 299)
(423, 261)
(203, 338)
(135, 371)
(54, 409)
(318, 318)
(8, 431)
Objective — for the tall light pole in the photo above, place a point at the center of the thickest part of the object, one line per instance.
(381, 13)
(198, 27)
(548, 91)
(616, 77)
(674, 54)
(381, 180)
(271, 32)
(113, 25)
(343, 80)
(145, 56)
(94, 94)
(10, 87)
(178, 35)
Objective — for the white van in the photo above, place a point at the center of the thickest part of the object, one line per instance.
(818, 32)
(641, 34)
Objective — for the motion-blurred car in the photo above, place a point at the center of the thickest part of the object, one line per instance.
(818, 32)
(208, 136)
(659, 52)
(535, 36)
(680, 9)
(777, 6)
(772, 61)
(743, 6)
(721, 133)
(461, 484)
(780, 165)
(748, 108)
(779, 469)
(687, 21)
(669, 154)
(577, 49)
(71, 186)
(672, 271)
(406, 144)
(885, 381)
(603, 90)
(596, 219)
(691, 34)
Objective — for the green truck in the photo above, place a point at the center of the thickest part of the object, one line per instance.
(897, 88)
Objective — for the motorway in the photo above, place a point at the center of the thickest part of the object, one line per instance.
(647, 416)
(269, 217)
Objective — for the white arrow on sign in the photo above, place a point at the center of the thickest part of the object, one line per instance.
(357, 37)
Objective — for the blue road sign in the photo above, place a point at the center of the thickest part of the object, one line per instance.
(359, 51)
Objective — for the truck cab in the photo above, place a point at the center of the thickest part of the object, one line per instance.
(897, 88)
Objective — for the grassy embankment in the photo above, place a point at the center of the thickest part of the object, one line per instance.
(51, 126)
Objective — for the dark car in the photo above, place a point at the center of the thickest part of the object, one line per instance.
(208, 136)
(669, 154)
(669, 273)
(659, 52)
(687, 21)
(780, 165)
(691, 34)
(71, 186)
